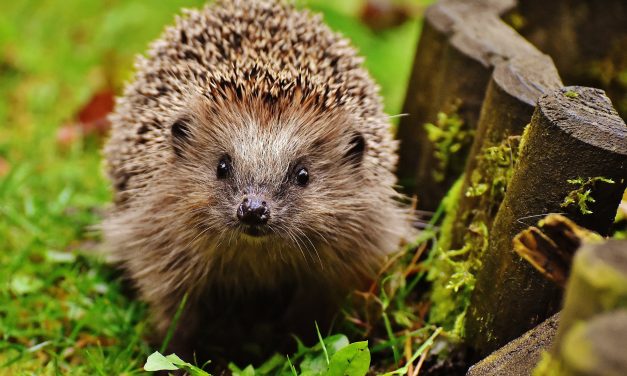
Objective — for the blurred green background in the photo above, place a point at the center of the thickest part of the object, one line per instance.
(62, 311)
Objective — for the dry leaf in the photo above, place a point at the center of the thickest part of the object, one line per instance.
(385, 14)
(4, 167)
(91, 120)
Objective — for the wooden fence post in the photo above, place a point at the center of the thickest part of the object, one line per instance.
(510, 99)
(459, 46)
(586, 39)
(576, 143)
(592, 334)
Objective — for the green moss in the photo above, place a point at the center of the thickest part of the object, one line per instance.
(493, 173)
(523, 138)
(443, 300)
(547, 366)
(451, 206)
(449, 135)
(571, 94)
(581, 197)
(576, 351)
(453, 271)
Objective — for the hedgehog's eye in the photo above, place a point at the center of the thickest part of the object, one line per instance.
(302, 176)
(224, 167)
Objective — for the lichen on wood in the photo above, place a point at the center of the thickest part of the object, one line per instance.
(587, 342)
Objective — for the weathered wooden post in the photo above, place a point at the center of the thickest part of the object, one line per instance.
(584, 346)
(512, 94)
(510, 99)
(594, 348)
(598, 283)
(520, 356)
(586, 39)
(575, 146)
(459, 46)
(592, 333)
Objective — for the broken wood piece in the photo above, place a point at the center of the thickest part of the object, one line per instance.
(551, 247)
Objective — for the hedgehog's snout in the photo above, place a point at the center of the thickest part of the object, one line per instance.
(253, 211)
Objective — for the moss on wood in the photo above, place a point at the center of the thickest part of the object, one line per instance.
(568, 138)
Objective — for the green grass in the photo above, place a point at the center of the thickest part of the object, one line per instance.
(63, 311)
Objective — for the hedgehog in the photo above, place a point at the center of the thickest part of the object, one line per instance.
(253, 174)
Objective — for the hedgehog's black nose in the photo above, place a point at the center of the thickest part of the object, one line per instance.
(253, 211)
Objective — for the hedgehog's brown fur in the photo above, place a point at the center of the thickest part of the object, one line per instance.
(269, 85)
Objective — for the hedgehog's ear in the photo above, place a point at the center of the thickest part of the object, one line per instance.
(180, 135)
(356, 148)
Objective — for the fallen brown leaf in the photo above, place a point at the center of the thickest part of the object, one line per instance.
(385, 14)
(5, 167)
(91, 120)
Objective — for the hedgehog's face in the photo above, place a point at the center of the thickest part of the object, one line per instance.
(292, 176)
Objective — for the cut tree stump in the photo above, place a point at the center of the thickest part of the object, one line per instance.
(575, 136)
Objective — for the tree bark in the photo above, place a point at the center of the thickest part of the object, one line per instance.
(574, 134)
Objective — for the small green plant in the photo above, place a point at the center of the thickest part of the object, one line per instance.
(571, 94)
(453, 276)
(581, 197)
(449, 136)
(332, 356)
(157, 362)
(453, 270)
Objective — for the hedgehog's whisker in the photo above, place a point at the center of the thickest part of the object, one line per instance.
(312, 244)
(296, 241)
(197, 236)
(218, 241)
(281, 230)
(397, 116)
